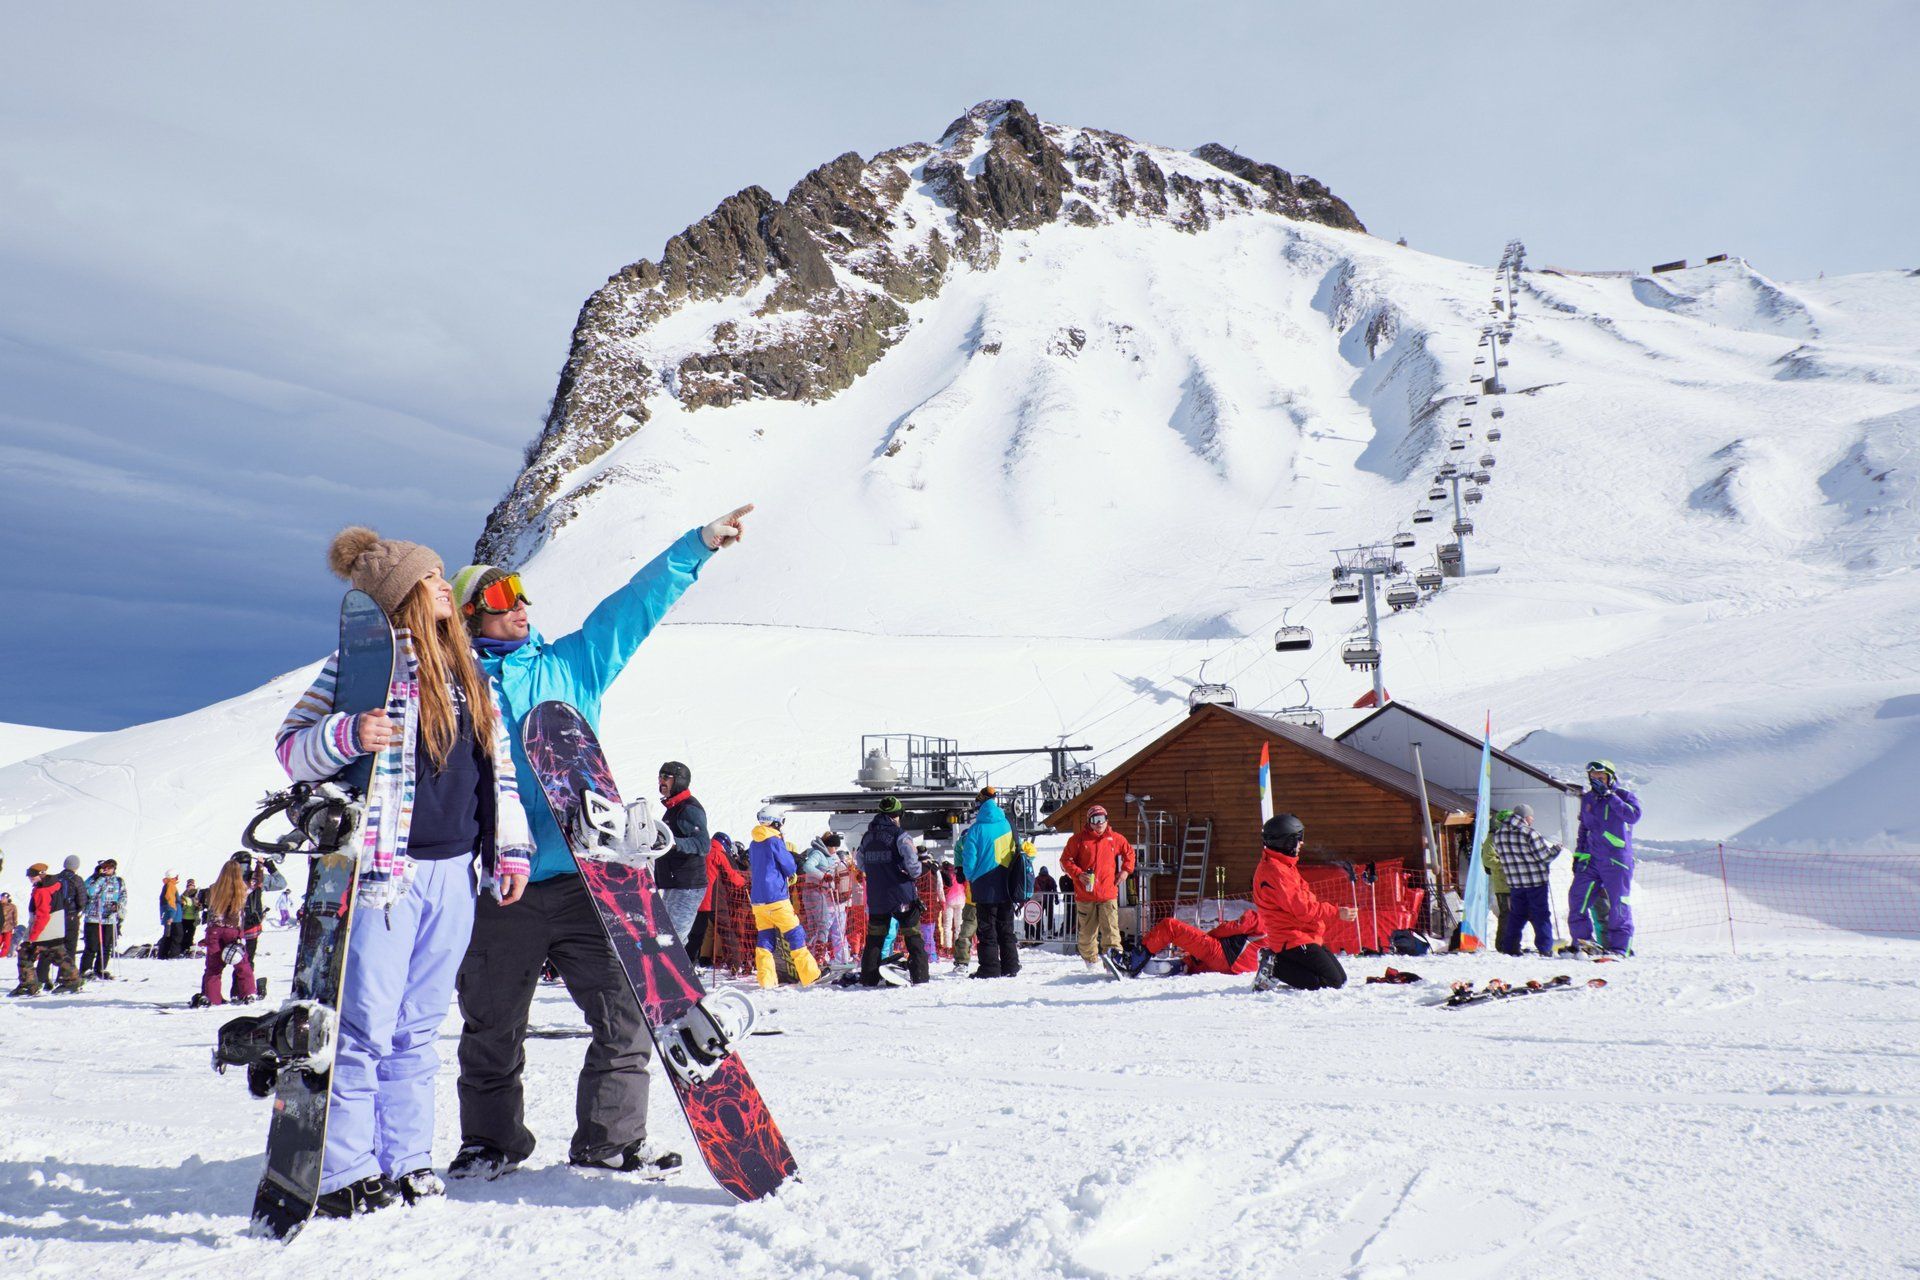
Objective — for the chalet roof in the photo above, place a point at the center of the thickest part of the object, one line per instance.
(1337, 753)
(1513, 762)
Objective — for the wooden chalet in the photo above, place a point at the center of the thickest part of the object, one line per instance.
(1200, 780)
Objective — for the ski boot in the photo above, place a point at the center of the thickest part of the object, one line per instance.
(1263, 977)
(478, 1160)
(641, 1157)
(300, 1035)
(696, 1045)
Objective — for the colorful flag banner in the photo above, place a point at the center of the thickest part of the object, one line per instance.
(1479, 894)
(1266, 785)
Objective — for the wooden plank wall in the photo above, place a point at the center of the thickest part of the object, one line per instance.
(1212, 771)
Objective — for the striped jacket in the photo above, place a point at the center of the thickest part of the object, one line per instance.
(315, 742)
(1525, 854)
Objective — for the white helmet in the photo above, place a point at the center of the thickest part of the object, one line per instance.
(769, 816)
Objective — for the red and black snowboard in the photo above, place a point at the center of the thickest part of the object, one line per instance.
(731, 1125)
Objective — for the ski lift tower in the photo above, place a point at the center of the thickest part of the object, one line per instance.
(1362, 566)
(1462, 526)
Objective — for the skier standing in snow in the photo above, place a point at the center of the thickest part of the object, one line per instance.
(770, 875)
(189, 921)
(443, 823)
(73, 898)
(169, 917)
(1599, 906)
(1292, 916)
(1527, 857)
(1096, 860)
(557, 921)
(106, 906)
(892, 867)
(721, 875)
(680, 872)
(825, 917)
(43, 949)
(226, 928)
(984, 851)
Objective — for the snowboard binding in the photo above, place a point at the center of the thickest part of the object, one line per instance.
(696, 1045)
(300, 1036)
(323, 818)
(604, 830)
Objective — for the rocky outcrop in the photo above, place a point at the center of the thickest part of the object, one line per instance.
(794, 299)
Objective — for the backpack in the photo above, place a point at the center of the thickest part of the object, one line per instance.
(1020, 873)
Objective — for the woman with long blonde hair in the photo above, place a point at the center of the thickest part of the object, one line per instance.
(443, 821)
(227, 927)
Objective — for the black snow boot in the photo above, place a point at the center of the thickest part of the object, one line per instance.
(635, 1157)
(478, 1160)
(369, 1195)
(421, 1184)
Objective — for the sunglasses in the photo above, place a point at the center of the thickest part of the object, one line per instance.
(499, 596)
(1097, 819)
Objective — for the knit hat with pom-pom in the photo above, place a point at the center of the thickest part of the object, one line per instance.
(384, 568)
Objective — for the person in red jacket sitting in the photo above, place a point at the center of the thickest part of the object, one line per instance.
(1293, 918)
(1097, 859)
(1232, 946)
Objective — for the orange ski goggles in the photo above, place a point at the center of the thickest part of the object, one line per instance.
(499, 596)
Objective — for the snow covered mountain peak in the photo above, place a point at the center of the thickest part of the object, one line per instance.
(793, 300)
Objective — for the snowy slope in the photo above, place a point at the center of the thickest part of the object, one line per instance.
(19, 741)
(1699, 1118)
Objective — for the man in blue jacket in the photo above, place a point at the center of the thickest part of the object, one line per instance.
(556, 921)
(984, 852)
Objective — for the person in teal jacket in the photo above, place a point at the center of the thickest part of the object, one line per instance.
(556, 922)
(984, 852)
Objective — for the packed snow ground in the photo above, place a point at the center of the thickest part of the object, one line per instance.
(1702, 1116)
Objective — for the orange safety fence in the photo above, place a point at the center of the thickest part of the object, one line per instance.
(834, 915)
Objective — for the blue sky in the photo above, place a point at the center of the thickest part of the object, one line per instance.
(268, 270)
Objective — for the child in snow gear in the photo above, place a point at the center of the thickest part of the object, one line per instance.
(106, 907)
(1232, 946)
(226, 932)
(557, 921)
(770, 876)
(985, 851)
(1527, 858)
(1291, 915)
(892, 868)
(1096, 860)
(1599, 906)
(443, 821)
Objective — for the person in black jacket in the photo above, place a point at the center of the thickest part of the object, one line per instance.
(681, 871)
(73, 897)
(891, 865)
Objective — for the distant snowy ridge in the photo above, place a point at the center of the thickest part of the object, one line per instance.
(793, 300)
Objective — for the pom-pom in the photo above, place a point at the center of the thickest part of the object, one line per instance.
(348, 546)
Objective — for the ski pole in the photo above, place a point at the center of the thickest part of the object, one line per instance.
(1373, 900)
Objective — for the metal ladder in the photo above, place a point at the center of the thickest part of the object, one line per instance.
(1195, 843)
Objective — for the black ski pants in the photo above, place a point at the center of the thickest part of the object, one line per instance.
(999, 948)
(870, 957)
(1308, 968)
(556, 921)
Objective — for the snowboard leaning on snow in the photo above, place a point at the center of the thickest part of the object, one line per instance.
(291, 1051)
(693, 1032)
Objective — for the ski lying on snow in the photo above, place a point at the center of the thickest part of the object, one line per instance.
(1465, 993)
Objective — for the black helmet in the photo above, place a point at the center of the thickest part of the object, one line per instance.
(681, 776)
(1282, 832)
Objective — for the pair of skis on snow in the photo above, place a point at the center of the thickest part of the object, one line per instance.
(1465, 993)
(289, 1054)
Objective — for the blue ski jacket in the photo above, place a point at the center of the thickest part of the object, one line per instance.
(770, 866)
(578, 668)
(984, 851)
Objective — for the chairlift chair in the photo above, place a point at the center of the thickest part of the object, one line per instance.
(1436, 494)
(1306, 717)
(1428, 579)
(1344, 593)
(1498, 412)
(1447, 471)
(1493, 435)
(1473, 495)
(1463, 526)
(1502, 362)
(1204, 694)
(1290, 638)
(1458, 446)
(1403, 594)
(1360, 653)
(1483, 477)
(1486, 460)
(1402, 538)
(1448, 555)
(1471, 400)
(1423, 516)
(1465, 423)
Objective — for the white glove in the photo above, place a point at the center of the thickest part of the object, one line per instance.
(726, 530)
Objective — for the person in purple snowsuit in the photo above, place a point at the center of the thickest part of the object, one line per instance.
(1599, 906)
